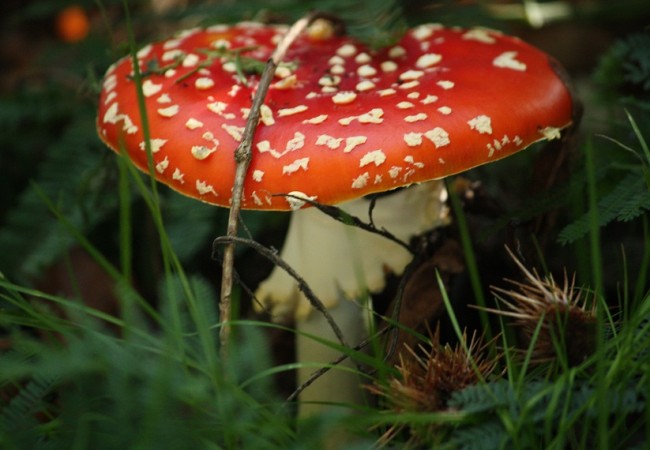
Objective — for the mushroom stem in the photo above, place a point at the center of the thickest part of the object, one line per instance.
(341, 263)
(341, 383)
(243, 156)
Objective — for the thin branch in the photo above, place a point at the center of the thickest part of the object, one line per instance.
(243, 156)
(323, 370)
(272, 256)
(348, 219)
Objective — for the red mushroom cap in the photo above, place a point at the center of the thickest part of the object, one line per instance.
(340, 121)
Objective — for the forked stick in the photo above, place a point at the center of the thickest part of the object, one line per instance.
(243, 156)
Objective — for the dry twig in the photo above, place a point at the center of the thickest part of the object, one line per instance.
(243, 156)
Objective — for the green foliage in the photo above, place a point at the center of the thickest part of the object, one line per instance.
(625, 69)
(149, 375)
(627, 200)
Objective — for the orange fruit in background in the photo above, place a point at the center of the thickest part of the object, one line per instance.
(72, 24)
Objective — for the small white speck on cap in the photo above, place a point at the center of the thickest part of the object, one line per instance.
(372, 116)
(229, 66)
(423, 32)
(144, 51)
(376, 157)
(409, 84)
(385, 92)
(256, 198)
(352, 142)
(336, 60)
(111, 115)
(171, 55)
(365, 85)
(155, 144)
(291, 111)
(295, 166)
(388, 66)
(201, 152)
(551, 133)
(150, 88)
(193, 124)
(481, 123)
(164, 98)
(286, 83)
(343, 98)
(329, 80)
(169, 73)
(416, 118)
(438, 136)
(337, 69)
(429, 99)
(446, 110)
(169, 111)
(171, 43)
(128, 124)
(490, 150)
(316, 120)
(204, 188)
(234, 131)
(411, 75)
(282, 71)
(178, 176)
(394, 171)
(295, 199)
(220, 43)
(110, 82)
(162, 165)
(362, 58)
(361, 181)
(445, 84)
(266, 115)
(110, 97)
(203, 83)
(296, 142)
(366, 70)
(265, 147)
(479, 34)
(189, 32)
(396, 51)
(217, 107)
(258, 175)
(508, 60)
(329, 141)
(346, 50)
(405, 105)
(234, 89)
(191, 60)
(428, 60)
(413, 95)
(413, 139)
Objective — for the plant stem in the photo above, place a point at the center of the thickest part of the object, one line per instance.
(243, 156)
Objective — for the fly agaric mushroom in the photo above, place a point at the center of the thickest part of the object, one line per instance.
(340, 121)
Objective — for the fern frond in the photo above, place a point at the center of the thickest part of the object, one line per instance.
(485, 435)
(20, 411)
(627, 200)
(69, 174)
